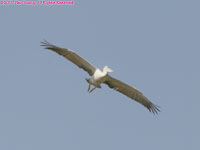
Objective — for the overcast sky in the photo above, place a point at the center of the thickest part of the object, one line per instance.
(151, 45)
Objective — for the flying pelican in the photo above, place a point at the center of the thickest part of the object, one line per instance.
(98, 76)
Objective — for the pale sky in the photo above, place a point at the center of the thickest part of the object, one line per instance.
(151, 45)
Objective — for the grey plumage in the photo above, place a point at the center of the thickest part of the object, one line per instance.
(71, 56)
(113, 83)
(131, 92)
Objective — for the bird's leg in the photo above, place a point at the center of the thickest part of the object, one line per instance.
(92, 89)
(89, 87)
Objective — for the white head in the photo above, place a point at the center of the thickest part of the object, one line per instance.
(106, 69)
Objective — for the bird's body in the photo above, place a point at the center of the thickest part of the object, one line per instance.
(98, 77)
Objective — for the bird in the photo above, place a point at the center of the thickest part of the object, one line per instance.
(97, 77)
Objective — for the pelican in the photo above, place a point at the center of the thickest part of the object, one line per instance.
(101, 76)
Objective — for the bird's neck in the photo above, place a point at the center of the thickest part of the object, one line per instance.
(105, 71)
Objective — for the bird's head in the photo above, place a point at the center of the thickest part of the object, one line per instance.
(106, 69)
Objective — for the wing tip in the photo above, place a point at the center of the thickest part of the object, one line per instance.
(154, 109)
(46, 44)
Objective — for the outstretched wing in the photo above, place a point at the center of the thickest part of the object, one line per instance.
(71, 56)
(131, 92)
